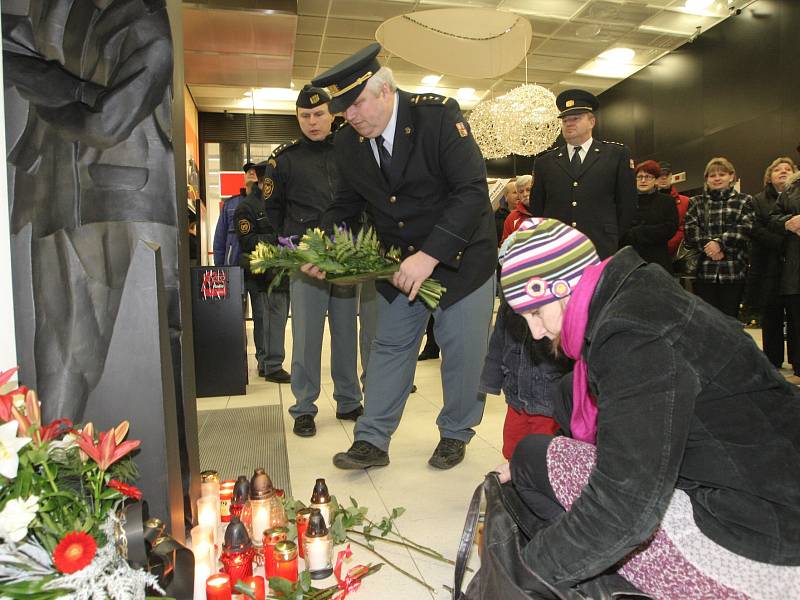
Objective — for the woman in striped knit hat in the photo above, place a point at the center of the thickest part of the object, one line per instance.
(681, 468)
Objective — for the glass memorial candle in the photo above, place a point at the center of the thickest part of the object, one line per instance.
(301, 521)
(321, 499)
(209, 483)
(225, 496)
(272, 537)
(208, 515)
(318, 547)
(285, 555)
(204, 559)
(237, 552)
(264, 510)
(256, 584)
(241, 492)
(218, 587)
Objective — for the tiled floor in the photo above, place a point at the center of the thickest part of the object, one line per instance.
(435, 501)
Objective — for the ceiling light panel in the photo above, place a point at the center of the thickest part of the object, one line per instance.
(677, 23)
(563, 9)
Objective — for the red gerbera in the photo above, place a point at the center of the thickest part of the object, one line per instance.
(131, 491)
(74, 552)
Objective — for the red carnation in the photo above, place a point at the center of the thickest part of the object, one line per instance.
(131, 491)
(74, 552)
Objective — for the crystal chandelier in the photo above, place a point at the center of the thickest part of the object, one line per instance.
(527, 119)
(483, 121)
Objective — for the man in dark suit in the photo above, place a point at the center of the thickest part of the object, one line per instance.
(412, 164)
(586, 183)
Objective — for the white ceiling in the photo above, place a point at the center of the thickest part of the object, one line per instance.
(227, 51)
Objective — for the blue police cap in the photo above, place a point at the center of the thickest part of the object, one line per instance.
(346, 80)
(574, 102)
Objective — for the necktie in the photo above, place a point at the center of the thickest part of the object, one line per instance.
(575, 163)
(384, 156)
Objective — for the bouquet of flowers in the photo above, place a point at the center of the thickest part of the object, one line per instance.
(347, 259)
(60, 491)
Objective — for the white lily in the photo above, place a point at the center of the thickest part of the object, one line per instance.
(10, 445)
(17, 514)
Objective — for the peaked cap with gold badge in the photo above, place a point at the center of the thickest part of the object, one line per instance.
(575, 102)
(312, 97)
(346, 80)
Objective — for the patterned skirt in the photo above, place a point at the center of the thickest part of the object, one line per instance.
(678, 562)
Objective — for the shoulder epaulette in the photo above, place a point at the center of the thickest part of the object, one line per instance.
(615, 143)
(543, 152)
(429, 100)
(282, 148)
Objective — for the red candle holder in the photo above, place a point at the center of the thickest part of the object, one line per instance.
(225, 496)
(256, 584)
(301, 521)
(285, 554)
(218, 587)
(272, 537)
(238, 565)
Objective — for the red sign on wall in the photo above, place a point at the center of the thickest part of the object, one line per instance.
(230, 182)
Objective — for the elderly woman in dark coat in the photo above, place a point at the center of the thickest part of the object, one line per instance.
(656, 218)
(682, 471)
(766, 256)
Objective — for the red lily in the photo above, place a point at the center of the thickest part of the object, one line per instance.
(30, 422)
(109, 449)
(7, 399)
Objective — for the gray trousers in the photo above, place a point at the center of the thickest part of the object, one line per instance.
(273, 325)
(462, 332)
(256, 294)
(311, 301)
(367, 323)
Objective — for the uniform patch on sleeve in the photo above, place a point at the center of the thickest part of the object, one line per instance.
(267, 187)
(271, 162)
(462, 129)
(244, 226)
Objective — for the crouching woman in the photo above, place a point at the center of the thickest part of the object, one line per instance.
(683, 466)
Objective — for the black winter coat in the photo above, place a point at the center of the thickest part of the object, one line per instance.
(655, 223)
(685, 400)
(787, 206)
(766, 252)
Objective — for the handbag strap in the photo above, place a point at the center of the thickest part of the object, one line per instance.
(467, 539)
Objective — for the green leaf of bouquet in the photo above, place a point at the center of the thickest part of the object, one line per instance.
(398, 512)
(281, 585)
(244, 589)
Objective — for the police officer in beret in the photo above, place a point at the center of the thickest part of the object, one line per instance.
(298, 186)
(586, 183)
(253, 226)
(412, 163)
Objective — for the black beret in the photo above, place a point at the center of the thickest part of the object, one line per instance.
(248, 165)
(666, 168)
(346, 80)
(575, 102)
(311, 97)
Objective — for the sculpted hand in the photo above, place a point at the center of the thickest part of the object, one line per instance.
(503, 472)
(312, 271)
(413, 271)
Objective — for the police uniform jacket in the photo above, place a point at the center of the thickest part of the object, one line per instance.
(599, 200)
(253, 226)
(436, 199)
(298, 186)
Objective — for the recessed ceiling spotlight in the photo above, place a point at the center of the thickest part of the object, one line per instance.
(431, 79)
(618, 55)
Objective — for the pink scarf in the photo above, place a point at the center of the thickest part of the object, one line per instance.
(583, 421)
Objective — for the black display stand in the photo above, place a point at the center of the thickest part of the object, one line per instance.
(220, 343)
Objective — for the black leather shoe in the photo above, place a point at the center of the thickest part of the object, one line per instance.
(304, 426)
(448, 453)
(428, 353)
(352, 415)
(279, 376)
(361, 455)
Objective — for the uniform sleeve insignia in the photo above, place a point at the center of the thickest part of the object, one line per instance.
(462, 130)
(244, 226)
(271, 162)
(267, 187)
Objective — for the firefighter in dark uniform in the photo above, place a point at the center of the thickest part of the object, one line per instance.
(593, 190)
(411, 162)
(253, 226)
(302, 177)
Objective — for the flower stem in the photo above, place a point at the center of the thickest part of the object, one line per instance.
(391, 564)
(49, 476)
(406, 544)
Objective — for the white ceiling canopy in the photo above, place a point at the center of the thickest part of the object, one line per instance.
(467, 42)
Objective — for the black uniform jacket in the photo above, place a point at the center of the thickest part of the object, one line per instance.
(298, 186)
(253, 226)
(436, 200)
(600, 200)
